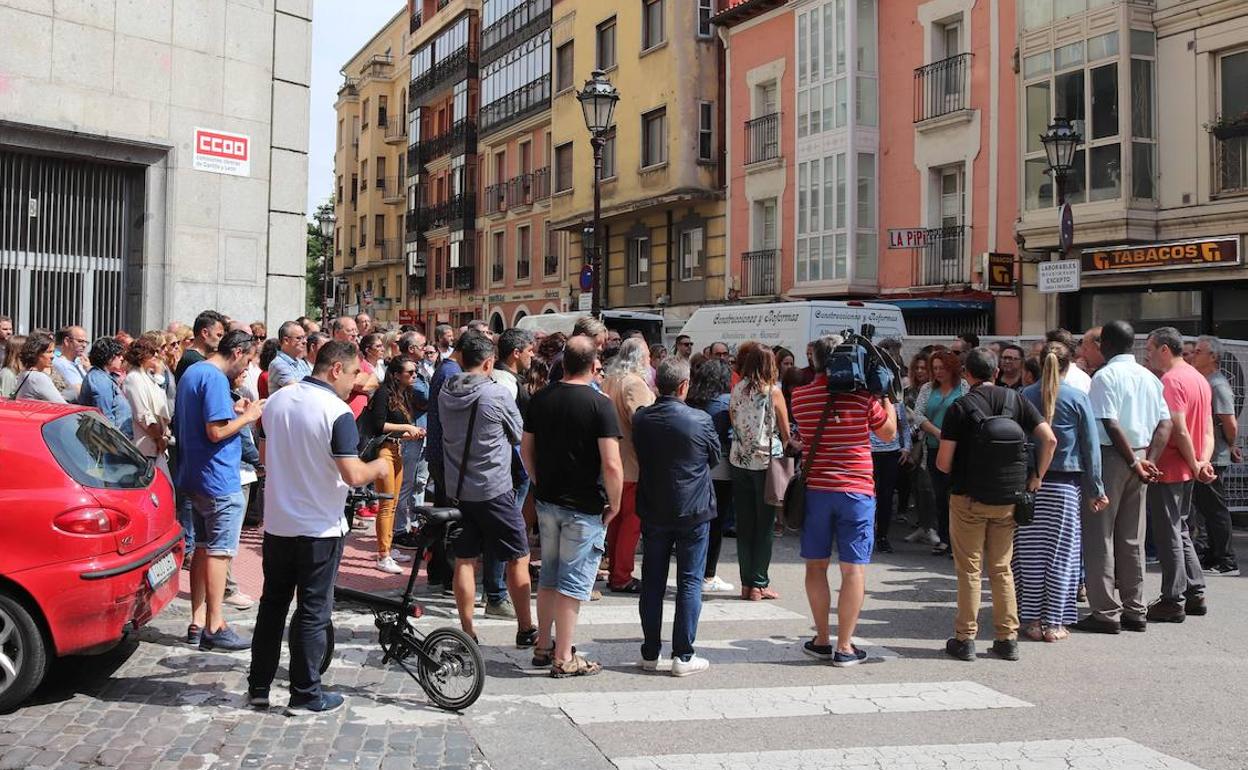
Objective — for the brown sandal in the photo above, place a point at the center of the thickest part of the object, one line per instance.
(1034, 632)
(545, 656)
(1055, 633)
(577, 666)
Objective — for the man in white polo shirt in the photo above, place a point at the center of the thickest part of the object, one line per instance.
(312, 464)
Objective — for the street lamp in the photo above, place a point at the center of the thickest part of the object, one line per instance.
(326, 220)
(1060, 142)
(598, 99)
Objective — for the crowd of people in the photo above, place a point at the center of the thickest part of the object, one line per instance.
(1054, 470)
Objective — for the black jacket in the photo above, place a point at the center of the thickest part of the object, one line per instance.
(676, 448)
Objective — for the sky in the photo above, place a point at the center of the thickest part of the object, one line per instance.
(339, 29)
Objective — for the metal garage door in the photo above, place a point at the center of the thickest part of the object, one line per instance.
(65, 231)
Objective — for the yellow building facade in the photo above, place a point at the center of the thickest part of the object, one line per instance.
(663, 200)
(370, 175)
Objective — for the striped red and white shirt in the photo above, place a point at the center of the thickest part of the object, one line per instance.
(843, 458)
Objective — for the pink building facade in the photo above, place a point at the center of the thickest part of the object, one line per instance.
(949, 171)
(761, 124)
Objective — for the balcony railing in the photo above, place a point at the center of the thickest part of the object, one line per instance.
(762, 138)
(453, 213)
(517, 105)
(416, 20)
(391, 187)
(520, 24)
(1230, 157)
(389, 249)
(943, 260)
(942, 87)
(758, 273)
(550, 265)
(396, 130)
(351, 252)
(496, 272)
(454, 67)
(463, 132)
(379, 65)
(463, 278)
(349, 87)
(541, 183)
(495, 198)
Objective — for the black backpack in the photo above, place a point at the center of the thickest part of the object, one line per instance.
(996, 464)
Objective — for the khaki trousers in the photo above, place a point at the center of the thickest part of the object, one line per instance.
(1113, 544)
(981, 533)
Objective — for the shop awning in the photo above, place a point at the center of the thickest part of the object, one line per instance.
(940, 304)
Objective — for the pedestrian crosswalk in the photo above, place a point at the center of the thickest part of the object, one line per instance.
(759, 680)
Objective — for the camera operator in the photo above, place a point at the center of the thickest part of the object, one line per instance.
(312, 464)
(840, 499)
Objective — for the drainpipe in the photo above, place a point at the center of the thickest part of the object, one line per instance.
(725, 176)
(671, 245)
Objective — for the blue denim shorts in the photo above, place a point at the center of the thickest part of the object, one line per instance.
(572, 547)
(846, 518)
(218, 522)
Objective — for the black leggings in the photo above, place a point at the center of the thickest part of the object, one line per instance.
(723, 505)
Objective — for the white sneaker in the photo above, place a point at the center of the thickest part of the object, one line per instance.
(650, 665)
(692, 666)
(716, 584)
(915, 534)
(933, 539)
(387, 564)
(399, 556)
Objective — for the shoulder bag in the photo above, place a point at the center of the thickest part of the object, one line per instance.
(463, 460)
(795, 492)
(780, 467)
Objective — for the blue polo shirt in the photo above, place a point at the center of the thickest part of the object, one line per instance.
(206, 467)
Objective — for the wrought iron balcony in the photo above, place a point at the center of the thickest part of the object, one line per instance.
(463, 278)
(521, 23)
(496, 272)
(379, 65)
(349, 87)
(762, 138)
(452, 68)
(942, 87)
(550, 265)
(517, 105)
(495, 199)
(396, 129)
(759, 277)
(943, 260)
(541, 183)
(389, 249)
(461, 136)
(456, 213)
(416, 20)
(1230, 158)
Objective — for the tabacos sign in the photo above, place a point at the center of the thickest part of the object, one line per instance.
(1205, 252)
(220, 152)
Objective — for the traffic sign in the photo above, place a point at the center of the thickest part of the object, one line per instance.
(587, 277)
(1058, 277)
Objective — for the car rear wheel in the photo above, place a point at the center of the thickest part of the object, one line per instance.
(23, 653)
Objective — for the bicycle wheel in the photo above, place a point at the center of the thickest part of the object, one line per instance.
(453, 674)
(329, 648)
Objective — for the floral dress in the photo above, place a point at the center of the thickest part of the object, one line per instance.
(754, 433)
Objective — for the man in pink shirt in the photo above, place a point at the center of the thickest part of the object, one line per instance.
(1183, 464)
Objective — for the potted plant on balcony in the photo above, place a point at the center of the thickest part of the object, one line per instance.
(1229, 126)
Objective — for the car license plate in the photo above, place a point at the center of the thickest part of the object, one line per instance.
(162, 570)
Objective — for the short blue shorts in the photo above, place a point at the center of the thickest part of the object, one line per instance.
(572, 547)
(846, 518)
(218, 522)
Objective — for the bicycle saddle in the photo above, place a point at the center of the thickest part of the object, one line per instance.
(439, 515)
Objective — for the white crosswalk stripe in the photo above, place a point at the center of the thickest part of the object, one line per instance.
(1097, 754)
(673, 705)
(625, 613)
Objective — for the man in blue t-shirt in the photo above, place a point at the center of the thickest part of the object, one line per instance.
(208, 423)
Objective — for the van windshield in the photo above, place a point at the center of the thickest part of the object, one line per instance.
(95, 454)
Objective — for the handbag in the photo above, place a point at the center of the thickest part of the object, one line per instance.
(795, 492)
(1025, 508)
(779, 473)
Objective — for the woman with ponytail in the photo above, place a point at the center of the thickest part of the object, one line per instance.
(1046, 551)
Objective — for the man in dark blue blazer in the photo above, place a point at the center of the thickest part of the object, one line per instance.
(676, 448)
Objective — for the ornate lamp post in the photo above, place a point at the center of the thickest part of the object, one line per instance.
(598, 99)
(1060, 142)
(326, 220)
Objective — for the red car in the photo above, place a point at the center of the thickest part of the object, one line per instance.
(90, 545)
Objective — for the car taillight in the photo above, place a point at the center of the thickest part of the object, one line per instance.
(91, 521)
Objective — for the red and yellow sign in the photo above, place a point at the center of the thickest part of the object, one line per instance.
(1206, 252)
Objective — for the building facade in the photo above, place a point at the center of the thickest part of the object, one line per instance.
(949, 131)
(761, 133)
(524, 256)
(370, 177)
(1159, 190)
(153, 162)
(663, 177)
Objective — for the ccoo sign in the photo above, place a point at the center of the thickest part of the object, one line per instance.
(221, 152)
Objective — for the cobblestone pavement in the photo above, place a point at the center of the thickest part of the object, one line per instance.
(158, 703)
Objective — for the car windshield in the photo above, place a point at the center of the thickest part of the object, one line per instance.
(95, 454)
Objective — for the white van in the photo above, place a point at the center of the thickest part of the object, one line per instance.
(791, 324)
(623, 321)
